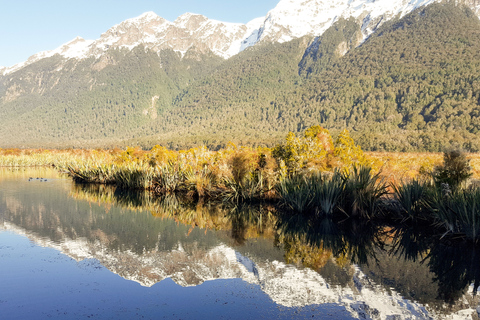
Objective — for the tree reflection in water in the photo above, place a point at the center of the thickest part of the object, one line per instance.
(249, 221)
(352, 239)
(440, 270)
(455, 269)
(414, 262)
(455, 262)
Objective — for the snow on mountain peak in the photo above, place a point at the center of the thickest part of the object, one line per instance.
(288, 20)
(143, 18)
(295, 18)
(190, 21)
(76, 48)
(149, 15)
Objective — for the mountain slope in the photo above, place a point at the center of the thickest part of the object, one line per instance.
(236, 102)
(411, 85)
(414, 85)
(75, 103)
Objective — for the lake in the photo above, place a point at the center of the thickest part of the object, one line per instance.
(92, 252)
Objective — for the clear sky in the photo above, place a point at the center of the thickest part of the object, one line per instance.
(31, 26)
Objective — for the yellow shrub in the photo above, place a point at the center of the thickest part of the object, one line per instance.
(347, 152)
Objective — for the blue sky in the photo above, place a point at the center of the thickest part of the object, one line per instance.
(31, 26)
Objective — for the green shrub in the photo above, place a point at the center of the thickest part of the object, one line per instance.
(454, 171)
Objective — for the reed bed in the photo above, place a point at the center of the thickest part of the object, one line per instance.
(311, 176)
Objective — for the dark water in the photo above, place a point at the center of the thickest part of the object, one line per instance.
(91, 252)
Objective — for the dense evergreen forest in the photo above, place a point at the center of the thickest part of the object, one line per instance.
(411, 86)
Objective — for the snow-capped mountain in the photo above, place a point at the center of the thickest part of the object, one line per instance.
(155, 33)
(76, 48)
(288, 20)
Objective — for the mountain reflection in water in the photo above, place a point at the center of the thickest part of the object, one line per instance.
(371, 270)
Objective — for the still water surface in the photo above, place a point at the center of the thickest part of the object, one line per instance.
(91, 252)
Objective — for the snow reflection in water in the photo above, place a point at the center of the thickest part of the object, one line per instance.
(225, 261)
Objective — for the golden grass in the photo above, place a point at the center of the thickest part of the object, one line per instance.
(231, 163)
(400, 166)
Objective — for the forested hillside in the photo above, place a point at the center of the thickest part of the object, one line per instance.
(412, 85)
(236, 102)
(95, 101)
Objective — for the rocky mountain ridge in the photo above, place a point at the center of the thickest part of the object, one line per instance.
(290, 19)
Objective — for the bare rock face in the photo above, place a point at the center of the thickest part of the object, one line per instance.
(290, 19)
(187, 31)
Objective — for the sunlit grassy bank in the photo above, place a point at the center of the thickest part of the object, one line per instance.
(311, 175)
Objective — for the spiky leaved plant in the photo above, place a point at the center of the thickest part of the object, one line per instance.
(251, 187)
(133, 176)
(459, 213)
(296, 193)
(413, 200)
(327, 194)
(168, 178)
(362, 193)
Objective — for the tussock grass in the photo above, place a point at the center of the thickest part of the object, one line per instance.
(326, 183)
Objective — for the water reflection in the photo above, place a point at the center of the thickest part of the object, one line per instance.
(455, 264)
(297, 262)
(353, 240)
(410, 260)
(242, 221)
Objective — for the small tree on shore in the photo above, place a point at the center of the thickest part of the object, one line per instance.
(454, 171)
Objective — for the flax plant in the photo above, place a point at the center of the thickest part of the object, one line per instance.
(134, 177)
(296, 193)
(200, 183)
(327, 194)
(458, 214)
(413, 200)
(251, 187)
(316, 194)
(89, 172)
(362, 193)
(168, 178)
